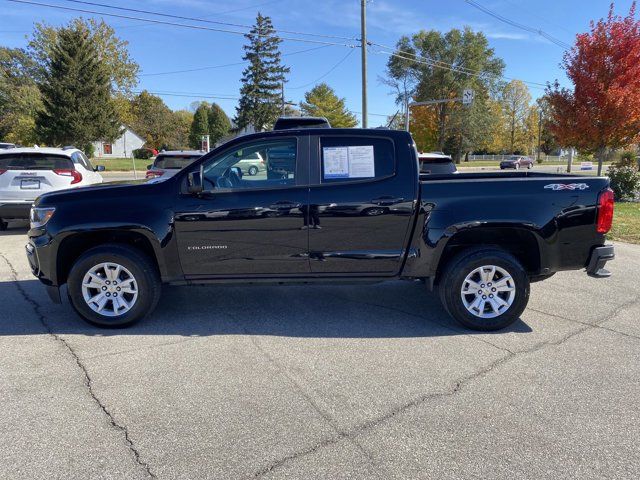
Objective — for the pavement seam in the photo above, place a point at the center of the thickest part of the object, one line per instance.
(598, 325)
(458, 386)
(325, 416)
(88, 382)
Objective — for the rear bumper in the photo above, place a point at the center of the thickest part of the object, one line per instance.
(15, 210)
(599, 257)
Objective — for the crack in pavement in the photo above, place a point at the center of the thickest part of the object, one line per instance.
(458, 386)
(325, 416)
(88, 382)
(598, 325)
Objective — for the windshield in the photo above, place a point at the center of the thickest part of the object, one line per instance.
(174, 162)
(437, 167)
(35, 161)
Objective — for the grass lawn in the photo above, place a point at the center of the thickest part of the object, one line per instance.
(626, 223)
(121, 164)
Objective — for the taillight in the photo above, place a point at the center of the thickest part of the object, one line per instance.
(74, 174)
(605, 211)
(154, 173)
(2, 171)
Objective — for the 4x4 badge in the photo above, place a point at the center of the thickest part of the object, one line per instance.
(566, 186)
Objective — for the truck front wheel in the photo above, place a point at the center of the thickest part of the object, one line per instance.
(484, 289)
(113, 286)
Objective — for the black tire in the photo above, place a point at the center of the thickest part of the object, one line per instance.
(3, 225)
(455, 272)
(140, 266)
(253, 170)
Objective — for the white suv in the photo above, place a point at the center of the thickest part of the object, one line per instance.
(26, 173)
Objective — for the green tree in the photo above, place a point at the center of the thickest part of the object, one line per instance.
(435, 66)
(219, 123)
(260, 96)
(19, 96)
(181, 126)
(515, 100)
(199, 126)
(549, 144)
(111, 50)
(152, 119)
(76, 93)
(322, 101)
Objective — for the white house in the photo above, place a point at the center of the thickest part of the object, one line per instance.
(121, 147)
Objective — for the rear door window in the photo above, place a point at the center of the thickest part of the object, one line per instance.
(35, 161)
(174, 162)
(349, 159)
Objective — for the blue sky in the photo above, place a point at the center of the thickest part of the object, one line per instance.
(159, 48)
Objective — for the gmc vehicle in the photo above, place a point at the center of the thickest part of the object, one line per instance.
(26, 173)
(478, 238)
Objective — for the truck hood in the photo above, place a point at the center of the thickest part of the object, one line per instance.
(122, 188)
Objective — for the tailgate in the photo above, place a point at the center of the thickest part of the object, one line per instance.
(24, 177)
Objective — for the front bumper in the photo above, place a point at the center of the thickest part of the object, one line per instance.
(39, 255)
(10, 211)
(599, 257)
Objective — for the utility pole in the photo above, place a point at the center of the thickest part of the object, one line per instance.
(363, 45)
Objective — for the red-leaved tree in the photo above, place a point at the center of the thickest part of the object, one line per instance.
(603, 110)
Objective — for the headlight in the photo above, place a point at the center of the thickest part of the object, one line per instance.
(40, 216)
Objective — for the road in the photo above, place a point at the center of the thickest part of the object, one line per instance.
(321, 382)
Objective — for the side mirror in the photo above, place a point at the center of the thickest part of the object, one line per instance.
(100, 168)
(237, 171)
(194, 183)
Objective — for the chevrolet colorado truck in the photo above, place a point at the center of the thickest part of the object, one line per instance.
(331, 205)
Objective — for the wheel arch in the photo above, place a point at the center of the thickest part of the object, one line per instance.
(73, 246)
(523, 244)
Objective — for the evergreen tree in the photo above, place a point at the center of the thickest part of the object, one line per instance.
(199, 126)
(76, 94)
(219, 124)
(322, 101)
(260, 95)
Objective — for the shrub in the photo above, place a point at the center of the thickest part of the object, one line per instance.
(625, 181)
(89, 150)
(142, 153)
(627, 159)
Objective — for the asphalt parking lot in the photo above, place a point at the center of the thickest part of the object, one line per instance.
(330, 382)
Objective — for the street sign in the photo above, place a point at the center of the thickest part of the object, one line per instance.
(467, 96)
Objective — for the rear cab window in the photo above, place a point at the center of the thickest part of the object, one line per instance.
(35, 161)
(354, 159)
(174, 162)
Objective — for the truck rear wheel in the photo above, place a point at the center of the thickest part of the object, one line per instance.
(484, 289)
(113, 286)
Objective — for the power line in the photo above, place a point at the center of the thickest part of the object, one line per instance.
(340, 62)
(195, 19)
(164, 22)
(187, 94)
(211, 67)
(521, 26)
(437, 64)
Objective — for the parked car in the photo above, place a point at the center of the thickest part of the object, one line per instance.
(436, 163)
(468, 235)
(6, 146)
(517, 162)
(169, 163)
(26, 173)
(252, 164)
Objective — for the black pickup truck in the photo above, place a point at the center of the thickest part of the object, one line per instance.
(350, 206)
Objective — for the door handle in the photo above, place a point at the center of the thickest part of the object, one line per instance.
(386, 200)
